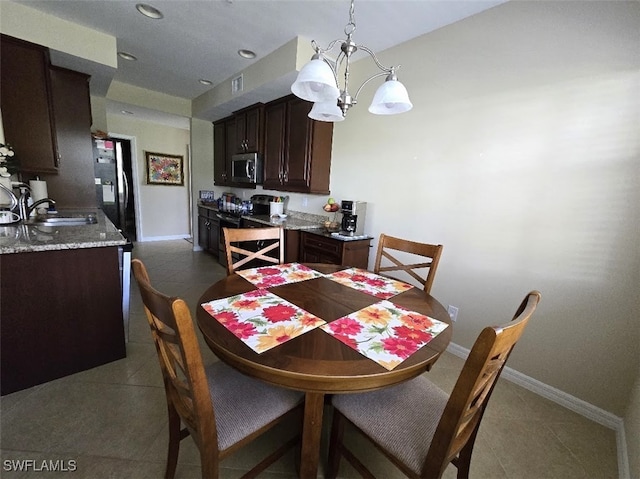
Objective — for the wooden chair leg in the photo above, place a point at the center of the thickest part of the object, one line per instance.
(463, 461)
(209, 465)
(174, 442)
(335, 443)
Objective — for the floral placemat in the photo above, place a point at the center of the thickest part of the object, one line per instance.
(261, 319)
(385, 332)
(370, 283)
(278, 274)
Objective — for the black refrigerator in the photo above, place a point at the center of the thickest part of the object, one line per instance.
(114, 187)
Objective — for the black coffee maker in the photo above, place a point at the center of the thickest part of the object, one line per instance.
(353, 214)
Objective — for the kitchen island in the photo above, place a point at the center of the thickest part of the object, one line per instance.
(61, 300)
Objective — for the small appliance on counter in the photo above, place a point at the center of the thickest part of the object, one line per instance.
(353, 217)
(262, 204)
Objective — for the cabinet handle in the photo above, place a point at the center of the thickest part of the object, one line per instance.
(58, 158)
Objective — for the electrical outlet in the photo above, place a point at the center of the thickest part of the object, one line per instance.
(453, 313)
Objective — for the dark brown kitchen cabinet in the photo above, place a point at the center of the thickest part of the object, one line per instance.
(220, 153)
(274, 144)
(208, 230)
(248, 129)
(240, 133)
(61, 314)
(297, 149)
(27, 109)
(73, 186)
(318, 248)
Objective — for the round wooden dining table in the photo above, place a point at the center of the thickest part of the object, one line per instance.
(316, 362)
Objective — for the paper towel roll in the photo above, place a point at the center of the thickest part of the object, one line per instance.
(276, 209)
(39, 191)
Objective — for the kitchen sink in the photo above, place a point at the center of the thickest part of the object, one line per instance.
(67, 220)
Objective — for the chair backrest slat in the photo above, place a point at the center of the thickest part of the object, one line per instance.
(266, 240)
(387, 243)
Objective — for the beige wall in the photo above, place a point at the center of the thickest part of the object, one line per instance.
(163, 210)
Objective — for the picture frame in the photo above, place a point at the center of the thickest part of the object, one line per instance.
(164, 169)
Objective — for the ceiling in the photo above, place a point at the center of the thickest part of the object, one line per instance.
(200, 39)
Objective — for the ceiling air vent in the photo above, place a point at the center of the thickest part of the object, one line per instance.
(236, 85)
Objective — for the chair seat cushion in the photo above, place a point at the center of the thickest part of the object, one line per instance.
(402, 419)
(242, 404)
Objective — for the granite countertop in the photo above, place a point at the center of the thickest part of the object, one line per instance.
(291, 222)
(295, 220)
(25, 238)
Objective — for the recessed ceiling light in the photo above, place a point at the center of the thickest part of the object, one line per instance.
(205, 82)
(246, 54)
(126, 112)
(149, 11)
(127, 56)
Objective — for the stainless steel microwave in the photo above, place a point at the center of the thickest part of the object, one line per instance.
(246, 168)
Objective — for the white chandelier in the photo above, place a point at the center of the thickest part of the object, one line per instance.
(318, 82)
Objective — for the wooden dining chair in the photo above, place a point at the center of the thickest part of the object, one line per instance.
(416, 425)
(432, 252)
(260, 241)
(220, 408)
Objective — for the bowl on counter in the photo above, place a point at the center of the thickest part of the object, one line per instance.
(331, 226)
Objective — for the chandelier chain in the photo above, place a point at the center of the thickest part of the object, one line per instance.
(351, 26)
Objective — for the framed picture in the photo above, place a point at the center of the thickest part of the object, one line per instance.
(164, 169)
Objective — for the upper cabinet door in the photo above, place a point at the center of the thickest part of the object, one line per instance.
(274, 145)
(219, 154)
(298, 160)
(254, 134)
(27, 109)
(297, 148)
(74, 185)
(249, 132)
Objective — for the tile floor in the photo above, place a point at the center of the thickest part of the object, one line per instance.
(110, 422)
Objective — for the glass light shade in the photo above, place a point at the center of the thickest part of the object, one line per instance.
(390, 98)
(326, 111)
(315, 82)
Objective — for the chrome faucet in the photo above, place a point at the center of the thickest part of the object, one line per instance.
(26, 209)
(32, 207)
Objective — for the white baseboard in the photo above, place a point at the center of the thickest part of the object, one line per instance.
(572, 403)
(164, 238)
